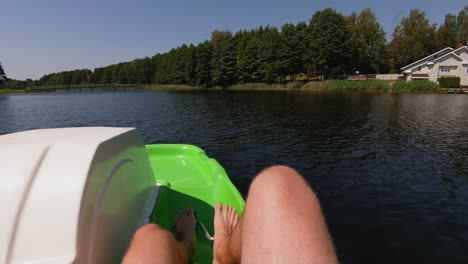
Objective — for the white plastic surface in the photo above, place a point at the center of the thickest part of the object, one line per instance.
(17, 171)
(72, 195)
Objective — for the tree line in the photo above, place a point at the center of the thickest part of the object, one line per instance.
(329, 45)
(3, 77)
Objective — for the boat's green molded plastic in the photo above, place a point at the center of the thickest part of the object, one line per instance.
(190, 179)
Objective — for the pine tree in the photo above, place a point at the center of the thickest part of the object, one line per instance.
(250, 62)
(269, 46)
(224, 62)
(183, 60)
(224, 58)
(203, 64)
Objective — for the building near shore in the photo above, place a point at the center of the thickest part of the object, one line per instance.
(447, 62)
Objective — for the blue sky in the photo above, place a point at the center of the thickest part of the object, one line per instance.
(39, 37)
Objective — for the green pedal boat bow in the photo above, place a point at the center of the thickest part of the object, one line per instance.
(188, 178)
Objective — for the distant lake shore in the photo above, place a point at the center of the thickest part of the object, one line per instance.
(330, 85)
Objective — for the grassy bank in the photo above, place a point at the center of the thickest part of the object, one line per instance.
(342, 85)
(12, 91)
(169, 87)
(330, 85)
(53, 90)
(267, 87)
(382, 86)
(236, 87)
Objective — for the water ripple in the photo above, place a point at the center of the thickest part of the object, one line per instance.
(391, 170)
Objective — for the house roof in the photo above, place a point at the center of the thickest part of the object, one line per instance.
(463, 47)
(449, 54)
(425, 58)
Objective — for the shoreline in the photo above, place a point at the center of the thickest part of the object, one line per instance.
(323, 86)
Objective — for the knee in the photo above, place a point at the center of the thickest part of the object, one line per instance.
(150, 232)
(280, 183)
(149, 243)
(148, 229)
(277, 177)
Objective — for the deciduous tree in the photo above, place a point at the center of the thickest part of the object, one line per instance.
(3, 77)
(462, 26)
(447, 34)
(328, 52)
(413, 39)
(369, 52)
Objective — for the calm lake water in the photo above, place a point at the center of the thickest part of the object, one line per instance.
(391, 170)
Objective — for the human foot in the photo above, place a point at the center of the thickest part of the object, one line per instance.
(185, 230)
(224, 224)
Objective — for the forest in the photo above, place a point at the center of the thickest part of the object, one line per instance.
(330, 45)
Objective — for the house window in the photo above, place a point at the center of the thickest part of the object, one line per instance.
(447, 69)
(419, 68)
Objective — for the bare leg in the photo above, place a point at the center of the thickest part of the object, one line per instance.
(153, 244)
(227, 237)
(282, 223)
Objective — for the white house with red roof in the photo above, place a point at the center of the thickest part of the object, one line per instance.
(447, 62)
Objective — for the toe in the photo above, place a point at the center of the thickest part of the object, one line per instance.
(218, 208)
(236, 217)
(190, 212)
(218, 215)
(219, 222)
(226, 213)
(231, 213)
